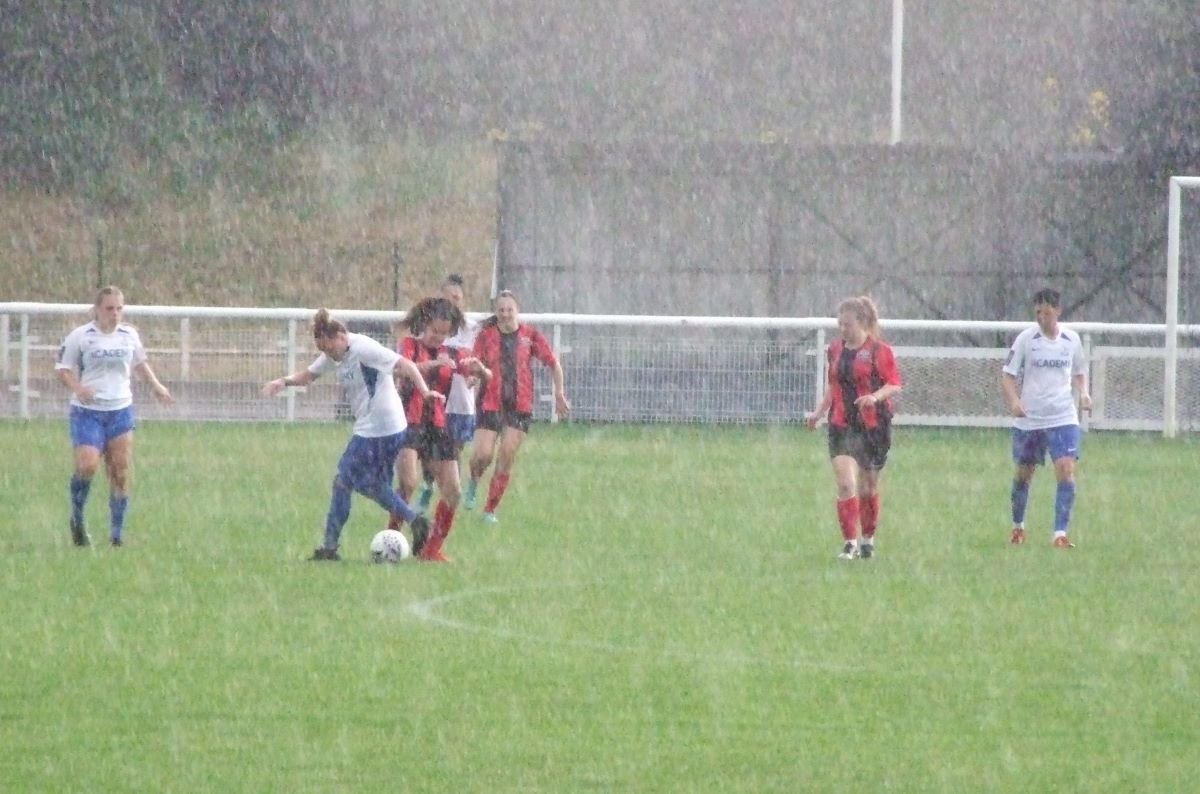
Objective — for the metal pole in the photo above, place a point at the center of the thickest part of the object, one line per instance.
(99, 262)
(291, 367)
(185, 347)
(1171, 343)
(4, 346)
(897, 67)
(23, 370)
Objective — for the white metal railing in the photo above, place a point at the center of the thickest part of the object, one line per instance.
(619, 367)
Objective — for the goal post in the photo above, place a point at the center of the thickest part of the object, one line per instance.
(1170, 371)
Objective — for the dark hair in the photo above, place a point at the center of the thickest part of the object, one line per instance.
(325, 327)
(1046, 297)
(431, 310)
(453, 280)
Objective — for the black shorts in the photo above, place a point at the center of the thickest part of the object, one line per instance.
(868, 446)
(498, 420)
(433, 444)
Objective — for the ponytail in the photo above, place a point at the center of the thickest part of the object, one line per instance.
(325, 327)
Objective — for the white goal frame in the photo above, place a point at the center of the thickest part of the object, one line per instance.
(1170, 372)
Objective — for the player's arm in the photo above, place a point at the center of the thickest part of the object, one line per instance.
(66, 369)
(406, 369)
(889, 373)
(300, 378)
(561, 403)
(1008, 385)
(1008, 377)
(821, 410)
(144, 371)
(1080, 385)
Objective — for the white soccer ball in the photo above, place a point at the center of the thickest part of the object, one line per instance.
(390, 546)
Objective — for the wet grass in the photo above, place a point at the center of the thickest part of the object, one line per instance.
(659, 610)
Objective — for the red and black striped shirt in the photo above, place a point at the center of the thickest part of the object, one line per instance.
(856, 372)
(418, 410)
(510, 358)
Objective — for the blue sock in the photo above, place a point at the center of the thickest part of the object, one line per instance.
(1020, 499)
(116, 508)
(390, 501)
(1064, 500)
(79, 495)
(339, 514)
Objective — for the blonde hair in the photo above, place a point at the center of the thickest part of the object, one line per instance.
(325, 327)
(864, 311)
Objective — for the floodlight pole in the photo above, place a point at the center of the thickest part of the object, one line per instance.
(897, 67)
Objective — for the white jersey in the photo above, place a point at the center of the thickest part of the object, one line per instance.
(366, 373)
(462, 397)
(103, 362)
(1044, 369)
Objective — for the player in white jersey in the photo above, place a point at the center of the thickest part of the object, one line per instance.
(367, 370)
(1045, 370)
(460, 404)
(97, 361)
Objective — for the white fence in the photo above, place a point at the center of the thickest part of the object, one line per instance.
(618, 368)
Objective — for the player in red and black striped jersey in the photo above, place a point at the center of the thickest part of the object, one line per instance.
(430, 444)
(863, 378)
(507, 348)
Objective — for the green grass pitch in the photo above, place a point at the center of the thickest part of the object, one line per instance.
(660, 609)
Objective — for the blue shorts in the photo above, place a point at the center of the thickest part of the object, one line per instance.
(461, 427)
(1029, 446)
(369, 463)
(93, 428)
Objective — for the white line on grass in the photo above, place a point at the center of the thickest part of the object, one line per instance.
(428, 611)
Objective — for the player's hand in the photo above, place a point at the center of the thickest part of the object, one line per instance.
(164, 395)
(434, 395)
(562, 405)
(272, 387)
(812, 421)
(1085, 402)
(1017, 409)
(865, 400)
(85, 394)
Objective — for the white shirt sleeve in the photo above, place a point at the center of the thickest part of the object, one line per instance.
(70, 353)
(1015, 363)
(322, 365)
(376, 356)
(139, 352)
(1078, 359)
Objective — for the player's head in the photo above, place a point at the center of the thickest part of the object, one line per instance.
(507, 309)
(330, 335)
(432, 320)
(858, 318)
(1046, 309)
(452, 290)
(108, 307)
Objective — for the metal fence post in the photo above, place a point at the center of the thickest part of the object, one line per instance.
(23, 369)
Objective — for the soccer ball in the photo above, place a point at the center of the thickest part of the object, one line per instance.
(390, 546)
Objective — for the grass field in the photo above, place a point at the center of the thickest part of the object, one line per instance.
(659, 610)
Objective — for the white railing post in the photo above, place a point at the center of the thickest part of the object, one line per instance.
(1171, 343)
(185, 348)
(1085, 416)
(556, 336)
(822, 375)
(4, 346)
(23, 370)
(291, 367)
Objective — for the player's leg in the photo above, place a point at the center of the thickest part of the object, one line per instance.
(1064, 451)
(510, 444)
(483, 448)
(87, 441)
(118, 460)
(1028, 451)
(350, 467)
(409, 465)
(845, 477)
(376, 481)
(870, 500)
(450, 489)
